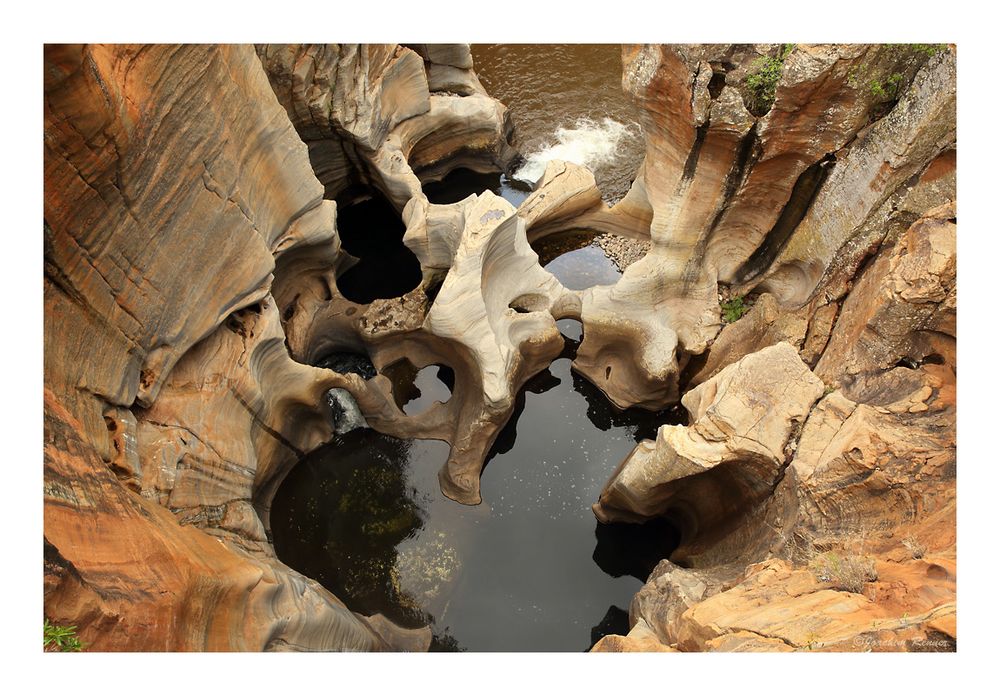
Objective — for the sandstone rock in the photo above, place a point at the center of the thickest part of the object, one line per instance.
(729, 459)
(893, 150)
(163, 217)
(639, 639)
(776, 603)
(904, 305)
(764, 325)
(669, 591)
(177, 397)
(121, 569)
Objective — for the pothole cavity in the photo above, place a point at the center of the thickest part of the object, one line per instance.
(528, 569)
(371, 230)
(462, 183)
(576, 260)
(416, 389)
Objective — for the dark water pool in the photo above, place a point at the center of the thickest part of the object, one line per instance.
(372, 230)
(529, 569)
(462, 183)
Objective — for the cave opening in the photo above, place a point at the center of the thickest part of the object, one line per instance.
(461, 183)
(417, 389)
(371, 230)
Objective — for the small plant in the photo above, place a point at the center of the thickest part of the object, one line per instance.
(888, 88)
(927, 49)
(762, 81)
(733, 309)
(847, 572)
(916, 549)
(60, 638)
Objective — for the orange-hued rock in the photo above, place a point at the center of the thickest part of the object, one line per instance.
(191, 257)
(731, 455)
(173, 179)
(779, 604)
(869, 484)
(120, 568)
(791, 200)
(904, 306)
(639, 639)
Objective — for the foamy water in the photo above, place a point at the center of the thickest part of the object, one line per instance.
(592, 144)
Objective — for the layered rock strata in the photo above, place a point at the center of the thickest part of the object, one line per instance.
(191, 266)
(853, 545)
(173, 408)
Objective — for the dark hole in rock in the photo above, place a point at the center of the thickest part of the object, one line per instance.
(371, 230)
(607, 372)
(634, 549)
(615, 622)
(415, 390)
(348, 363)
(433, 287)
(462, 183)
(717, 82)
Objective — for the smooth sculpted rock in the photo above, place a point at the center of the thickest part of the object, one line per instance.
(728, 459)
(173, 181)
(744, 193)
(497, 308)
(370, 116)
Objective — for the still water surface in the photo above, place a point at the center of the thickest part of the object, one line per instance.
(529, 569)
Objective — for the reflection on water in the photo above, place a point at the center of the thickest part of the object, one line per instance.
(566, 101)
(584, 268)
(527, 570)
(462, 183)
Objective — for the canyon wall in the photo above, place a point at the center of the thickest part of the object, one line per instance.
(811, 518)
(180, 199)
(191, 267)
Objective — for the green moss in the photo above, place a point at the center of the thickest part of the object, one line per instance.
(888, 88)
(733, 309)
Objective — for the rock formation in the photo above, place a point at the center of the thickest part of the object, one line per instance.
(191, 267)
(173, 408)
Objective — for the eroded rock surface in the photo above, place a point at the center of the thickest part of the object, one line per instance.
(729, 458)
(191, 265)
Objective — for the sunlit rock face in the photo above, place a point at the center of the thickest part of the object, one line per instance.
(170, 390)
(192, 262)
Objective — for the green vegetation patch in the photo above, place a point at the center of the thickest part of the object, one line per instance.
(733, 309)
(60, 638)
(762, 80)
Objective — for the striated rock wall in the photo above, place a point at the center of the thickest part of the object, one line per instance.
(852, 544)
(789, 201)
(174, 180)
(191, 260)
